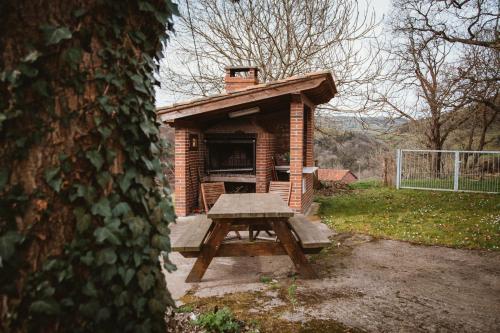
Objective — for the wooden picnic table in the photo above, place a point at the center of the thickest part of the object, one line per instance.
(265, 211)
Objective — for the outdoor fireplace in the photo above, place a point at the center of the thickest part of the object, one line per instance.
(248, 136)
(230, 154)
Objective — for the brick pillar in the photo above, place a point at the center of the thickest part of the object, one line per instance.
(262, 161)
(296, 150)
(307, 197)
(181, 171)
(310, 137)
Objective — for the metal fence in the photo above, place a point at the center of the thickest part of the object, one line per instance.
(448, 170)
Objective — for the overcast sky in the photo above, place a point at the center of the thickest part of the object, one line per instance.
(381, 7)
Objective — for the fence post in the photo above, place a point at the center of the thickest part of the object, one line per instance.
(456, 172)
(398, 168)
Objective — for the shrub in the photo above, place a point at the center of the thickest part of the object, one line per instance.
(219, 321)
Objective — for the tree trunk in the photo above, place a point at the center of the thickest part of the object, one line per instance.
(77, 114)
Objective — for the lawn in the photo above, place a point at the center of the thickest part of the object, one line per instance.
(454, 219)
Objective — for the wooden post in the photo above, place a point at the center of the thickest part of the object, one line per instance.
(293, 249)
(208, 251)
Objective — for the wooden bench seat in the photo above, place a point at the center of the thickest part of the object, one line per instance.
(195, 230)
(312, 235)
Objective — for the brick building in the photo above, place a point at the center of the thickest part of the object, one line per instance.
(236, 137)
(337, 175)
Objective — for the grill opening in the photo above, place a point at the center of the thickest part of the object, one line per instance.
(230, 154)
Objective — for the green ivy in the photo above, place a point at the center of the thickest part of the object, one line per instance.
(108, 277)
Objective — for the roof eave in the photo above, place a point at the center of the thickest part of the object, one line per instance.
(167, 114)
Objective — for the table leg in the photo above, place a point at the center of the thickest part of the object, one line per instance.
(293, 249)
(208, 251)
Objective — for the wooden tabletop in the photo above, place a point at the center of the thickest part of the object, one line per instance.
(249, 205)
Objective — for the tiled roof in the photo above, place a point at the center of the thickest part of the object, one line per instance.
(250, 89)
(334, 175)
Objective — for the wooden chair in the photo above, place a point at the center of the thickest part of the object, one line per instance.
(210, 192)
(284, 189)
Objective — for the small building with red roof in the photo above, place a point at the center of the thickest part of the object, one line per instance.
(337, 175)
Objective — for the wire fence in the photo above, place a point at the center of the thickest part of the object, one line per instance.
(448, 170)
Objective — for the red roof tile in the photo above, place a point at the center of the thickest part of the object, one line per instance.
(333, 175)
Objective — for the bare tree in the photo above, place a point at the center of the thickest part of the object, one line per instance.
(444, 66)
(282, 37)
(456, 21)
(420, 87)
(473, 27)
(421, 84)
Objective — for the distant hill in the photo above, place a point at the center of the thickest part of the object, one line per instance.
(353, 123)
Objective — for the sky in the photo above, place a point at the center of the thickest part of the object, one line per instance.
(381, 7)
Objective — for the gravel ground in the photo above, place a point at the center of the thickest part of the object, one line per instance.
(372, 285)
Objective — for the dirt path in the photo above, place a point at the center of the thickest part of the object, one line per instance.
(371, 285)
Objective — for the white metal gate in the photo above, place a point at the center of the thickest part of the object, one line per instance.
(448, 170)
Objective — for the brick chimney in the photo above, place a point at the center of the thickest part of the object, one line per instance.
(239, 77)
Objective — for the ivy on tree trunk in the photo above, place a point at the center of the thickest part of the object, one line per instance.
(82, 220)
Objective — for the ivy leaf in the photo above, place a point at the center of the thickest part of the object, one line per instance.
(103, 233)
(148, 128)
(51, 173)
(79, 12)
(95, 158)
(103, 314)
(48, 307)
(32, 56)
(89, 289)
(161, 242)
(88, 258)
(106, 256)
(89, 309)
(108, 272)
(41, 87)
(137, 259)
(127, 275)
(121, 209)
(8, 243)
(105, 131)
(102, 208)
(146, 6)
(136, 225)
(73, 56)
(52, 180)
(103, 178)
(126, 180)
(146, 280)
(103, 102)
(54, 35)
(149, 164)
(82, 219)
(28, 71)
(138, 83)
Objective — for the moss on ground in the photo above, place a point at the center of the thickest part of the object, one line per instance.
(254, 309)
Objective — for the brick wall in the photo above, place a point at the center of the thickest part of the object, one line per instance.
(264, 151)
(307, 196)
(301, 153)
(296, 150)
(276, 133)
(187, 163)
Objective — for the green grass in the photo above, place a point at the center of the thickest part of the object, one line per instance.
(455, 219)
